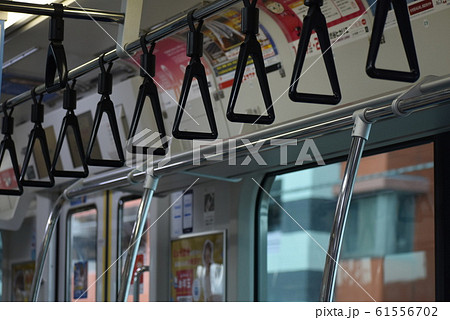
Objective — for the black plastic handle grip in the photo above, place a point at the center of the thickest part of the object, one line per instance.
(56, 62)
(7, 144)
(70, 120)
(315, 20)
(149, 90)
(250, 47)
(195, 69)
(37, 133)
(56, 56)
(404, 25)
(105, 106)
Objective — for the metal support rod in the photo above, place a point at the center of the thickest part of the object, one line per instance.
(69, 12)
(154, 35)
(40, 262)
(150, 185)
(360, 134)
(137, 275)
(212, 177)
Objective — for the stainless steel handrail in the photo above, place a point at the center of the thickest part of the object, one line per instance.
(137, 275)
(150, 185)
(316, 125)
(40, 262)
(69, 12)
(360, 134)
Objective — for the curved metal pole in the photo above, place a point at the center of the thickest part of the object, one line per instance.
(40, 262)
(137, 275)
(150, 185)
(360, 135)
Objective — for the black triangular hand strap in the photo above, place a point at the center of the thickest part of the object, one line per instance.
(105, 105)
(147, 90)
(70, 120)
(404, 25)
(7, 144)
(56, 56)
(315, 20)
(195, 69)
(37, 133)
(250, 47)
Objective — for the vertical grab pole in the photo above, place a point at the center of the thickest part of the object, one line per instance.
(360, 134)
(40, 262)
(150, 184)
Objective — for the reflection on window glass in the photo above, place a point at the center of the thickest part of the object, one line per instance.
(128, 211)
(388, 246)
(82, 255)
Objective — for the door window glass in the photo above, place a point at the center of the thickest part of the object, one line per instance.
(82, 255)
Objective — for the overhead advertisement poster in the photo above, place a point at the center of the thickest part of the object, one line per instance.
(347, 20)
(222, 42)
(197, 271)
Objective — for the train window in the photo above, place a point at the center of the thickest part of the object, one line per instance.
(81, 255)
(128, 208)
(388, 246)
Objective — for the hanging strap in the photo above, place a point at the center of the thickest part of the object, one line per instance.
(195, 69)
(404, 25)
(8, 186)
(56, 56)
(105, 106)
(37, 133)
(70, 120)
(315, 20)
(250, 47)
(149, 90)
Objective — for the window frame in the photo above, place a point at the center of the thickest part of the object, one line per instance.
(441, 147)
(120, 210)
